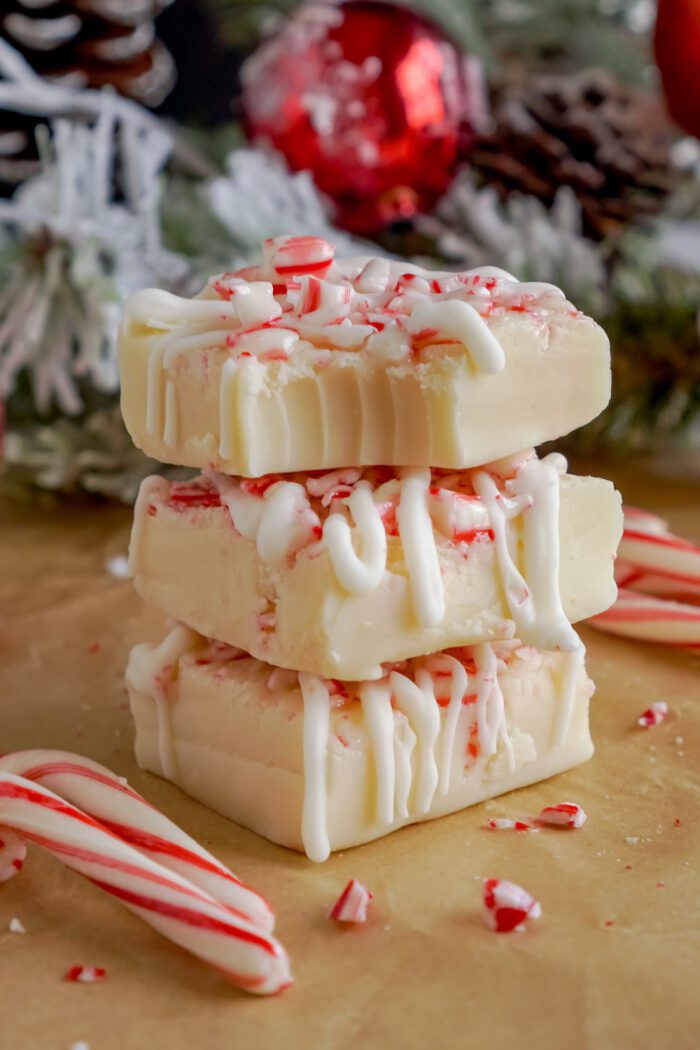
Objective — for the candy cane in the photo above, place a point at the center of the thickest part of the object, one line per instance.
(650, 550)
(636, 615)
(653, 568)
(117, 807)
(171, 904)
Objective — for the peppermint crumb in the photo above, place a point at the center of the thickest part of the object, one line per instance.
(679, 740)
(118, 567)
(15, 926)
(661, 885)
(85, 974)
(608, 923)
(80, 1046)
(632, 840)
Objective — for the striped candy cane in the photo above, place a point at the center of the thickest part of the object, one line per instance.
(652, 559)
(653, 568)
(651, 619)
(109, 800)
(176, 907)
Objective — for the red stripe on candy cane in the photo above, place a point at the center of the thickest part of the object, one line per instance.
(630, 614)
(55, 768)
(154, 844)
(86, 856)
(676, 542)
(188, 915)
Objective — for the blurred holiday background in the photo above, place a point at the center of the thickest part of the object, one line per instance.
(153, 142)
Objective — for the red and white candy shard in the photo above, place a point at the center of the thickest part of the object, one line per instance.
(508, 906)
(654, 715)
(352, 904)
(12, 854)
(291, 256)
(507, 824)
(563, 815)
(85, 974)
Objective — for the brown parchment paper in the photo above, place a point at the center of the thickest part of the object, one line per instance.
(424, 971)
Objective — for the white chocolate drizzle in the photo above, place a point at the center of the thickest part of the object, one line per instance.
(150, 488)
(417, 701)
(357, 573)
(533, 595)
(379, 719)
(419, 549)
(459, 321)
(280, 523)
(458, 689)
(150, 672)
(314, 832)
(571, 672)
(229, 371)
(490, 706)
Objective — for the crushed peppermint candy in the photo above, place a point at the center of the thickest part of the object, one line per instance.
(508, 824)
(507, 906)
(563, 815)
(300, 300)
(85, 974)
(12, 853)
(16, 926)
(654, 715)
(352, 904)
(80, 1046)
(118, 567)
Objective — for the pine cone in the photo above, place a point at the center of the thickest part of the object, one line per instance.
(609, 142)
(85, 43)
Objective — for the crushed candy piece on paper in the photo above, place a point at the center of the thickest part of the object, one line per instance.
(563, 815)
(654, 715)
(85, 974)
(352, 904)
(508, 824)
(508, 906)
(118, 567)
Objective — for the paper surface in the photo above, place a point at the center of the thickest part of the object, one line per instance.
(424, 971)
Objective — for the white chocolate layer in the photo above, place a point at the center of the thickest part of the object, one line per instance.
(318, 767)
(377, 362)
(465, 573)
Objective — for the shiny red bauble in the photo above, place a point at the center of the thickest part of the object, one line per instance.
(372, 99)
(677, 47)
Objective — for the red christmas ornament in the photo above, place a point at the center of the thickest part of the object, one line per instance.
(677, 46)
(371, 98)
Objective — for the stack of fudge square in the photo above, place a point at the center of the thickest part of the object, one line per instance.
(371, 582)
